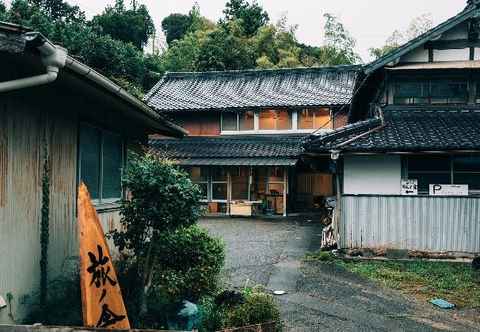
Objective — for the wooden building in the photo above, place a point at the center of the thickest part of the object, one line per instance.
(409, 160)
(52, 106)
(246, 134)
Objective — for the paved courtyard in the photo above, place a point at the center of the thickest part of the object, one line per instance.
(319, 297)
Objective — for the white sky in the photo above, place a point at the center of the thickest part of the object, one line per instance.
(369, 21)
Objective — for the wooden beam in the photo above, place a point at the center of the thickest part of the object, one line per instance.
(451, 44)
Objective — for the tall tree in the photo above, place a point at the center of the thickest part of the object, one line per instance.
(59, 10)
(225, 49)
(133, 25)
(252, 16)
(176, 26)
(339, 43)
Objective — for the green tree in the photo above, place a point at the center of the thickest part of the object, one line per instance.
(225, 49)
(3, 11)
(163, 200)
(59, 10)
(339, 43)
(133, 25)
(183, 54)
(176, 26)
(251, 15)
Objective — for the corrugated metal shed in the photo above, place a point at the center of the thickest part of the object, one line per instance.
(432, 224)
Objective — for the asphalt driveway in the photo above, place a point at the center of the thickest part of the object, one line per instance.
(319, 297)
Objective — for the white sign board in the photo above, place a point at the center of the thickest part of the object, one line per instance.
(448, 190)
(409, 187)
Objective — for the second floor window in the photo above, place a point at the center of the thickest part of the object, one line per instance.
(275, 120)
(431, 92)
(314, 119)
(241, 121)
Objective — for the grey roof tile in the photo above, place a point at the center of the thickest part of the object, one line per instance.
(300, 87)
(232, 150)
(408, 130)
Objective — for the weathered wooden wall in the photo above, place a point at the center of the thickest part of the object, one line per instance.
(199, 124)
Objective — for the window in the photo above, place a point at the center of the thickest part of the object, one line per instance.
(314, 119)
(466, 170)
(242, 121)
(229, 121)
(199, 176)
(219, 184)
(246, 120)
(275, 120)
(101, 162)
(429, 170)
(411, 93)
(431, 92)
(448, 92)
(445, 170)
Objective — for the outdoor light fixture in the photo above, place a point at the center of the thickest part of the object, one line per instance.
(335, 155)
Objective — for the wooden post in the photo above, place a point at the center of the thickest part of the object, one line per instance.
(229, 192)
(285, 185)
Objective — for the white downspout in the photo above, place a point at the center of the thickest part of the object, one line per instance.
(53, 57)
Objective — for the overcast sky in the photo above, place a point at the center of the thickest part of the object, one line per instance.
(369, 21)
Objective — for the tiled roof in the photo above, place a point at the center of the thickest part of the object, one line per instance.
(301, 87)
(232, 150)
(407, 130)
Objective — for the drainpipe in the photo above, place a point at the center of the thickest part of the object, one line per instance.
(53, 58)
(335, 156)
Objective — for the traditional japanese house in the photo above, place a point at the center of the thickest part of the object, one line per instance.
(409, 160)
(246, 132)
(54, 108)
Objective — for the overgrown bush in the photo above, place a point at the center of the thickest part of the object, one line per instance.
(189, 263)
(253, 307)
(258, 308)
(63, 304)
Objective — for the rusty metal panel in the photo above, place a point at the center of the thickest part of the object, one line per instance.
(22, 132)
(432, 224)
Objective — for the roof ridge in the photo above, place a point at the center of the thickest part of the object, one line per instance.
(259, 71)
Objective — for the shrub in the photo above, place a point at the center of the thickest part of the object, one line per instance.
(63, 304)
(258, 308)
(188, 264)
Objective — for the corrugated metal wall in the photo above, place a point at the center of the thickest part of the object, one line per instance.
(22, 130)
(434, 224)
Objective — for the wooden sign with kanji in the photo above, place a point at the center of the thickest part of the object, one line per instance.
(102, 301)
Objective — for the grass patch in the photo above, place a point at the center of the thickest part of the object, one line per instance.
(320, 256)
(454, 282)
